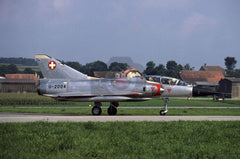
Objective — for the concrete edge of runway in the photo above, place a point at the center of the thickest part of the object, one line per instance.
(27, 117)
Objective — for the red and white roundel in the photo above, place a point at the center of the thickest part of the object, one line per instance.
(52, 65)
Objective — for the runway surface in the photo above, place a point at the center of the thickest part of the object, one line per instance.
(30, 117)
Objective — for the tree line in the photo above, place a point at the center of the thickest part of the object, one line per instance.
(18, 61)
(13, 69)
(89, 68)
(230, 63)
(171, 69)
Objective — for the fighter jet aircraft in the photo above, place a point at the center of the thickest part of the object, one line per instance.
(64, 83)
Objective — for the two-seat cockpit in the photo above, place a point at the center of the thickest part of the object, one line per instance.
(166, 80)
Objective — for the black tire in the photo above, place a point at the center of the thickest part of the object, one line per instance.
(112, 110)
(162, 112)
(96, 110)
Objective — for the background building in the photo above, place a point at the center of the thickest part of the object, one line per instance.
(19, 83)
(230, 86)
(212, 68)
(192, 77)
(207, 77)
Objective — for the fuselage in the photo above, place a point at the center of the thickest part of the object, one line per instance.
(176, 91)
(121, 89)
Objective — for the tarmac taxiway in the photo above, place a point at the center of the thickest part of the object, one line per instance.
(31, 117)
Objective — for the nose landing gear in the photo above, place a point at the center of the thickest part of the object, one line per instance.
(165, 110)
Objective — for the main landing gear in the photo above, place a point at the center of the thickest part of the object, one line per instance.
(112, 109)
(97, 110)
(164, 112)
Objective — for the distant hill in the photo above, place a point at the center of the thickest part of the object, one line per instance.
(18, 61)
(128, 60)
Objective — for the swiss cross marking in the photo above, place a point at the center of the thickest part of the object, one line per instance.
(52, 65)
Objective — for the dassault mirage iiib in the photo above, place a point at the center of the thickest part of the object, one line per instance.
(64, 83)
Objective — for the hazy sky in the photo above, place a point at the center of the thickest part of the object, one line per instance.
(187, 31)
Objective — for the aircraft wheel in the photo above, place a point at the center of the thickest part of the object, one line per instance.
(96, 110)
(112, 110)
(162, 112)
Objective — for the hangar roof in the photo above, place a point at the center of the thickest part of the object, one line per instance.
(17, 81)
(232, 79)
(201, 76)
(212, 68)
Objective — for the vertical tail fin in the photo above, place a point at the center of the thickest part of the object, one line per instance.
(54, 69)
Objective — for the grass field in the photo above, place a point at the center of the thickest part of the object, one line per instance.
(33, 103)
(22, 67)
(179, 139)
(33, 99)
(34, 68)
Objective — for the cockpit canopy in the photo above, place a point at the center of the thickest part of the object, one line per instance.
(166, 80)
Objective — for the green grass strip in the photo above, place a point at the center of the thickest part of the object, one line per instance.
(115, 140)
(33, 99)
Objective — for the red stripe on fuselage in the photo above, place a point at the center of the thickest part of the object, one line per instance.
(158, 89)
